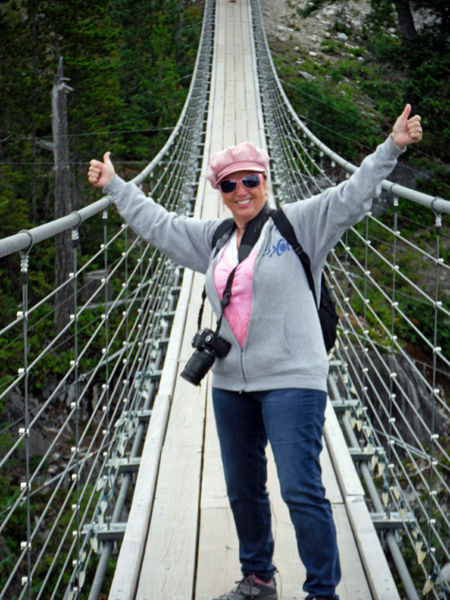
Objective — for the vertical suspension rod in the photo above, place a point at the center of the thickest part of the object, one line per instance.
(373, 493)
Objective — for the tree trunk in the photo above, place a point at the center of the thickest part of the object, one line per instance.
(405, 19)
(64, 303)
(445, 19)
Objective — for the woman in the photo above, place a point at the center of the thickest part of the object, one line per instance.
(272, 384)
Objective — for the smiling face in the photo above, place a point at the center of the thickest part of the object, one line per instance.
(244, 203)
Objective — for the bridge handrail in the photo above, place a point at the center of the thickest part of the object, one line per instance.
(113, 383)
(27, 238)
(436, 203)
(388, 289)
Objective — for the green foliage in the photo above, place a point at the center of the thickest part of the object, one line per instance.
(128, 65)
(16, 531)
(341, 27)
(424, 63)
(397, 70)
(382, 14)
(13, 210)
(332, 117)
(312, 5)
(330, 47)
(424, 318)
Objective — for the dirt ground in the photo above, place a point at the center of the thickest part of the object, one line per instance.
(282, 21)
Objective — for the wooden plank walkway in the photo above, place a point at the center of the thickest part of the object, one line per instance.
(180, 542)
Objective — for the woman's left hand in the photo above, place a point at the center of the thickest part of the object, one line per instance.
(407, 131)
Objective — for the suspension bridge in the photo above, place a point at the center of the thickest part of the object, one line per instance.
(138, 509)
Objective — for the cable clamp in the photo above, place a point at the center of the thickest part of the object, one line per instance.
(27, 250)
(75, 228)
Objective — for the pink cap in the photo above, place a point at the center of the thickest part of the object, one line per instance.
(245, 157)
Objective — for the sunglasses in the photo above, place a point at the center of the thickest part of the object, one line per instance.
(250, 182)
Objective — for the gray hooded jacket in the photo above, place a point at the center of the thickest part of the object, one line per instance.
(284, 346)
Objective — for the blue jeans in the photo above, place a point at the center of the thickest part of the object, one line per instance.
(292, 420)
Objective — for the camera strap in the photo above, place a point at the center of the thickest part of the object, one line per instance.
(248, 241)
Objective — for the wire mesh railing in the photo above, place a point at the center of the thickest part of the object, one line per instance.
(390, 277)
(77, 407)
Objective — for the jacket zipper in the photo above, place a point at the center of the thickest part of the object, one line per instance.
(243, 371)
(257, 261)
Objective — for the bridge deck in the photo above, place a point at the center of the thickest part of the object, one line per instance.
(191, 549)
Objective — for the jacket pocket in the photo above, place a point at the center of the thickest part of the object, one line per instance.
(267, 350)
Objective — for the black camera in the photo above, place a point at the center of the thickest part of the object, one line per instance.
(208, 346)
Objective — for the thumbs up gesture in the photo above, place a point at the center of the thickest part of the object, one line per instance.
(101, 173)
(407, 130)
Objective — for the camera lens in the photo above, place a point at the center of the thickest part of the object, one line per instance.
(197, 366)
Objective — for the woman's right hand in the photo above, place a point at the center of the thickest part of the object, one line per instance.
(101, 173)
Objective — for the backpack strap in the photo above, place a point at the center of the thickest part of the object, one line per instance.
(284, 226)
(228, 225)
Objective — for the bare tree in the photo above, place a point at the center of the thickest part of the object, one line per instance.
(405, 19)
(63, 203)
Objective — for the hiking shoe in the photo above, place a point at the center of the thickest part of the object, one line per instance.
(248, 588)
